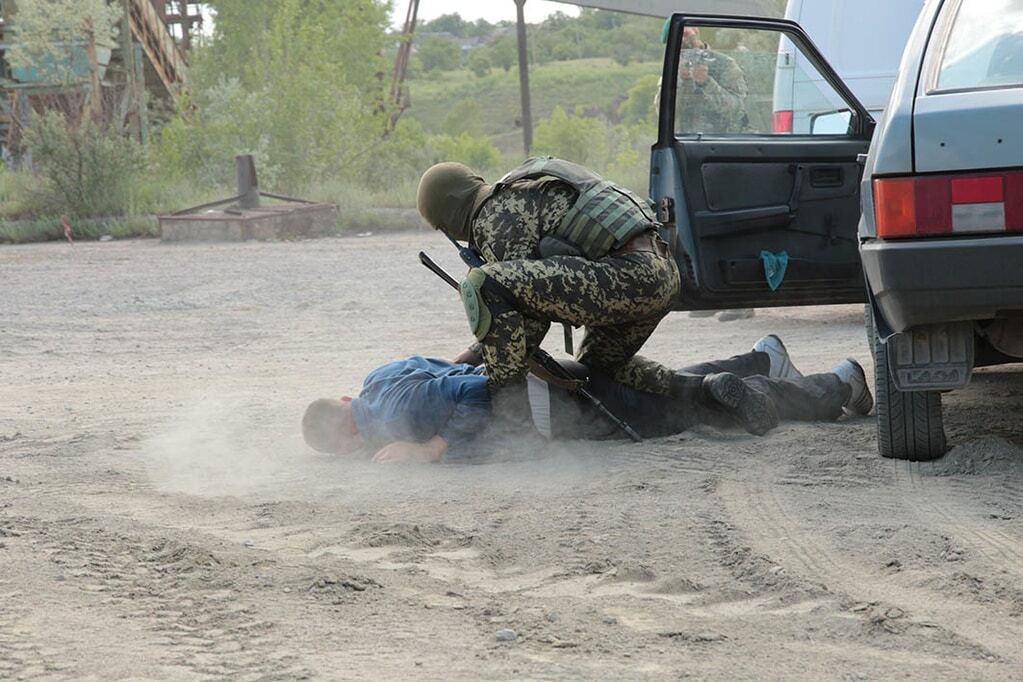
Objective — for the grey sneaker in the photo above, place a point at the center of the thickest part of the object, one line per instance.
(781, 363)
(740, 314)
(860, 400)
(752, 409)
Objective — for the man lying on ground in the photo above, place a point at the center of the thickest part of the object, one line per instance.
(428, 410)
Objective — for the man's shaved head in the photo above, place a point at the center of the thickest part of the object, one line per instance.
(328, 425)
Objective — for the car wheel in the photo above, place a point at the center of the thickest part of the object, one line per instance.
(909, 424)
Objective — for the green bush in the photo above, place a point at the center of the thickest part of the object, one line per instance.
(476, 152)
(638, 106)
(86, 169)
(572, 137)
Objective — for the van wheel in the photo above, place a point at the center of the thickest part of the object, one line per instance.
(909, 424)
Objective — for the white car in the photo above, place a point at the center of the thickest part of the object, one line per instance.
(760, 217)
(942, 226)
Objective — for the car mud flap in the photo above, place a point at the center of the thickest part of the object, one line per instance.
(937, 357)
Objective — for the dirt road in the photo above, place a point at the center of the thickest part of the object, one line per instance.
(161, 518)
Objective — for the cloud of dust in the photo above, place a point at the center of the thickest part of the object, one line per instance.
(228, 447)
(223, 447)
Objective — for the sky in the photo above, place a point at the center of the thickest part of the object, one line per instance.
(491, 10)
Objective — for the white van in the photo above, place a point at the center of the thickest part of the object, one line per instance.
(862, 39)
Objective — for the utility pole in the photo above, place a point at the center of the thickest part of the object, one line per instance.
(527, 116)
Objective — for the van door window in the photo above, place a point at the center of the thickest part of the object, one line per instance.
(735, 82)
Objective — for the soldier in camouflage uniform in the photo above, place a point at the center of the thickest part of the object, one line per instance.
(618, 288)
(711, 89)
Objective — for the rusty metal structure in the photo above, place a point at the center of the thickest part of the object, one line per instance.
(150, 57)
(153, 25)
(400, 99)
(183, 19)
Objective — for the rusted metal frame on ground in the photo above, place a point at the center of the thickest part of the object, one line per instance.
(248, 190)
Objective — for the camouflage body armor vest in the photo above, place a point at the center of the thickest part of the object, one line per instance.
(604, 216)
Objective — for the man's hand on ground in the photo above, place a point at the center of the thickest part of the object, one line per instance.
(468, 357)
(404, 451)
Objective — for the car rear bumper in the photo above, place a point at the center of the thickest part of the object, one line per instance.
(927, 281)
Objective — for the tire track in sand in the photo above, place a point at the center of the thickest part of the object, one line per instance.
(758, 512)
(941, 505)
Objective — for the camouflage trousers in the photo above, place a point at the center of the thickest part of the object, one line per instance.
(618, 299)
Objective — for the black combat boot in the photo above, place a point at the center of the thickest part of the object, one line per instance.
(751, 408)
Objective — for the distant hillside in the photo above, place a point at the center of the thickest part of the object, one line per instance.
(597, 85)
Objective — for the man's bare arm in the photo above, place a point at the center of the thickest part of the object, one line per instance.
(405, 451)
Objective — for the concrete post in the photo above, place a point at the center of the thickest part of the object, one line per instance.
(248, 185)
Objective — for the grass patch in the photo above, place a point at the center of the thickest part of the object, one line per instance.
(51, 229)
(363, 209)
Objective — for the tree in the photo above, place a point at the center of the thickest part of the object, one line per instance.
(448, 23)
(300, 84)
(440, 54)
(503, 52)
(479, 63)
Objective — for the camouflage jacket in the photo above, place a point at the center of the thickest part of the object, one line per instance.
(510, 224)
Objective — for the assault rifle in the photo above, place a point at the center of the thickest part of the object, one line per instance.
(541, 363)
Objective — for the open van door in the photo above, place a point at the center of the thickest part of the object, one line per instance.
(763, 218)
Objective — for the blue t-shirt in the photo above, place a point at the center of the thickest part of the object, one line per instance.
(419, 398)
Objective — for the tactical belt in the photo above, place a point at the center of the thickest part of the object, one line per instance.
(647, 242)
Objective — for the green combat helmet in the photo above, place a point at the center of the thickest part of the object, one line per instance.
(449, 196)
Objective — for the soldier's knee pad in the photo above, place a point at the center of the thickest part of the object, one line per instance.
(476, 308)
(484, 299)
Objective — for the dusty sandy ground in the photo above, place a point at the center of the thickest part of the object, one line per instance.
(161, 518)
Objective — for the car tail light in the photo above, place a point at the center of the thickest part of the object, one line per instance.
(783, 121)
(930, 205)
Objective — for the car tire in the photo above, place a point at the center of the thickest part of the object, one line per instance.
(909, 423)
